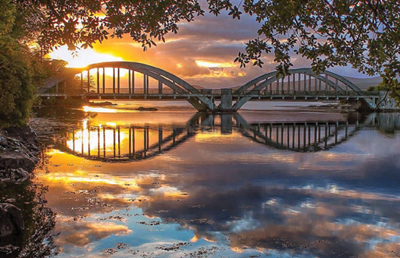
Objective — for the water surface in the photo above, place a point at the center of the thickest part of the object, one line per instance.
(173, 183)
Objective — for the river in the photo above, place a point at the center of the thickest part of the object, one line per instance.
(283, 182)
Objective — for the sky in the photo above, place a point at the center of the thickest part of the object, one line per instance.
(202, 52)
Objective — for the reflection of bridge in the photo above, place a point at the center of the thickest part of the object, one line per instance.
(131, 80)
(122, 143)
(138, 143)
(301, 137)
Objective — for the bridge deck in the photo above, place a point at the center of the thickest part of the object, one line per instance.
(255, 97)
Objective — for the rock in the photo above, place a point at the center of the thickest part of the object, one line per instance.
(11, 221)
(12, 160)
(19, 149)
(101, 104)
(16, 176)
(24, 134)
(146, 109)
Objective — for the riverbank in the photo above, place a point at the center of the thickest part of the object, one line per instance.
(19, 153)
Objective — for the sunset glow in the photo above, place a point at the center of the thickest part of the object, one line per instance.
(99, 109)
(83, 57)
(89, 140)
(213, 64)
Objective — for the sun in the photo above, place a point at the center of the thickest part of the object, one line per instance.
(82, 57)
(85, 57)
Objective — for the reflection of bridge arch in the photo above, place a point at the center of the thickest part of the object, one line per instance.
(124, 144)
(301, 83)
(301, 137)
(174, 85)
(119, 144)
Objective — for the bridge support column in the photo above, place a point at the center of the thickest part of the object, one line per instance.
(226, 100)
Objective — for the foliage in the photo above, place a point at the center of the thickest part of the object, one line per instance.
(365, 34)
(82, 22)
(7, 17)
(16, 85)
(380, 87)
(391, 83)
(21, 68)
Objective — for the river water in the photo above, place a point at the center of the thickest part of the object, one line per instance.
(287, 182)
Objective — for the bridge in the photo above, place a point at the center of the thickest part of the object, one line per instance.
(131, 80)
(135, 142)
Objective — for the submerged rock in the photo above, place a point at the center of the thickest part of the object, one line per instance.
(101, 104)
(11, 221)
(146, 109)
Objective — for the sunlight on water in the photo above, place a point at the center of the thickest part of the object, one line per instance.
(99, 109)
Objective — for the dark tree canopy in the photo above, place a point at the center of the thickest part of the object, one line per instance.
(84, 22)
(365, 34)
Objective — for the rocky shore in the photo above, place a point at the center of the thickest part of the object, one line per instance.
(19, 154)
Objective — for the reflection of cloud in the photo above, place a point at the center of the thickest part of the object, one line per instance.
(346, 201)
(384, 250)
(323, 223)
(83, 233)
(302, 234)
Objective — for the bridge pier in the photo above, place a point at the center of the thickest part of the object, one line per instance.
(226, 101)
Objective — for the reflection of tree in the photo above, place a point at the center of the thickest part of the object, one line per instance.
(389, 123)
(38, 221)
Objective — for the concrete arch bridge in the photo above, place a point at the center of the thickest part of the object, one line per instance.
(130, 80)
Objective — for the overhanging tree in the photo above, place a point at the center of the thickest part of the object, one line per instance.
(364, 34)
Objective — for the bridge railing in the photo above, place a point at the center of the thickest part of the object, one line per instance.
(304, 93)
(217, 92)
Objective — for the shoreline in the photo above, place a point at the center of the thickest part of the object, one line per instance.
(19, 153)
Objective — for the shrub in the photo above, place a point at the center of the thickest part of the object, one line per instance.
(17, 89)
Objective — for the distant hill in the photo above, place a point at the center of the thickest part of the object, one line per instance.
(364, 83)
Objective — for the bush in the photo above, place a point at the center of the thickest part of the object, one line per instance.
(17, 89)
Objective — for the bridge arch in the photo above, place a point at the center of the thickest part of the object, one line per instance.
(301, 84)
(271, 77)
(308, 83)
(178, 85)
